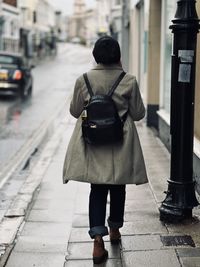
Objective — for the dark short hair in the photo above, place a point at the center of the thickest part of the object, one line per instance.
(107, 50)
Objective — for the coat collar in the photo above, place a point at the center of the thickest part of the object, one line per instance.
(107, 67)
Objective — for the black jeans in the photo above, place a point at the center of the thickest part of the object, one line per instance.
(97, 208)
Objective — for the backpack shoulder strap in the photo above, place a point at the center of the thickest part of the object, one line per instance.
(116, 83)
(88, 84)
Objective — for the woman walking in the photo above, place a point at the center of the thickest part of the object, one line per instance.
(108, 168)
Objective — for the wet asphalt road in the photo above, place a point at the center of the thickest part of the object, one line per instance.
(53, 85)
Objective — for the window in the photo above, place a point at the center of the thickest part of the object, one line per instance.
(117, 2)
(12, 28)
(34, 17)
(168, 13)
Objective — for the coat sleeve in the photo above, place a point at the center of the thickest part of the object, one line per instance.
(77, 103)
(136, 106)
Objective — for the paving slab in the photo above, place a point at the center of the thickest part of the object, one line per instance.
(78, 235)
(81, 220)
(137, 189)
(188, 252)
(35, 260)
(48, 204)
(53, 215)
(78, 251)
(4, 202)
(141, 242)
(187, 227)
(89, 263)
(81, 204)
(153, 258)
(52, 230)
(58, 192)
(19, 206)
(2, 212)
(141, 215)
(48, 189)
(39, 245)
(154, 152)
(145, 204)
(8, 229)
(190, 262)
(5, 254)
(2, 249)
(138, 193)
(54, 170)
(143, 227)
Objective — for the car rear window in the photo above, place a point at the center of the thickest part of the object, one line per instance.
(8, 60)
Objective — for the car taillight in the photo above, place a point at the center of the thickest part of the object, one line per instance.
(17, 75)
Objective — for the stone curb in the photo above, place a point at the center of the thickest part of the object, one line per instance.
(15, 215)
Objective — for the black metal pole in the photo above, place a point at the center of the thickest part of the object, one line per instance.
(180, 198)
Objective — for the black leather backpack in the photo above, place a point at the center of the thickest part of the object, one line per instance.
(101, 123)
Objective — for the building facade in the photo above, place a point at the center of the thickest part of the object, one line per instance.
(150, 60)
(103, 17)
(60, 26)
(76, 22)
(9, 25)
(27, 26)
(115, 19)
(90, 27)
(44, 27)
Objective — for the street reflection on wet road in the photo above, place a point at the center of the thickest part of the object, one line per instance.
(8, 106)
(53, 82)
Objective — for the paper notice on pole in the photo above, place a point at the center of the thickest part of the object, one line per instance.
(186, 56)
(184, 74)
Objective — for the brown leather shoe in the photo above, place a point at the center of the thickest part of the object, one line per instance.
(115, 236)
(100, 254)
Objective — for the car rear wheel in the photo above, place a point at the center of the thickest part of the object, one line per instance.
(30, 91)
(22, 94)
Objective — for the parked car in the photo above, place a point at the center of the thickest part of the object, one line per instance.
(15, 76)
(76, 40)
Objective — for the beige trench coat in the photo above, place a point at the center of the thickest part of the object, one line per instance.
(112, 164)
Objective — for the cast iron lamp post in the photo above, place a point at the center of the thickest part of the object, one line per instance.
(180, 198)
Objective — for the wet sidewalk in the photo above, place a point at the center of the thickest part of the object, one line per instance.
(54, 232)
